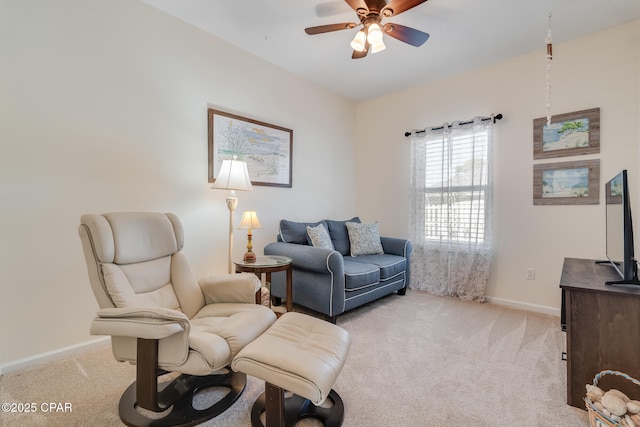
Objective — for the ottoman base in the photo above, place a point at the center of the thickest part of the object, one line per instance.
(281, 411)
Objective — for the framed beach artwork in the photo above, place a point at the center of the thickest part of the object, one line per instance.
(266, 148)
(568, 135)
(567, 183)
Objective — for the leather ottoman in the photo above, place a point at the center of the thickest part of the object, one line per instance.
(304, 356)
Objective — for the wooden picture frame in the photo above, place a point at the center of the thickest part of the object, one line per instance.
(570, 134)
(567, 183)
(266, 148)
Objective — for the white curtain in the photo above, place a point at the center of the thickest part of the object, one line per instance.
(451, 209)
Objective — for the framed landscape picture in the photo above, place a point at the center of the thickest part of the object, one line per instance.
(567, 183)
(266, 148)
(568, 135)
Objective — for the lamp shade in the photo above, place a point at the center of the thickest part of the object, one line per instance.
(233, 175)
(358, 42)
(249, 221)
(374, 33)
(378, 46)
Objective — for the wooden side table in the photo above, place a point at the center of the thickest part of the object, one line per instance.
(267, 265)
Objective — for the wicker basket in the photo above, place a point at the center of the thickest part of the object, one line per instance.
(597, 418)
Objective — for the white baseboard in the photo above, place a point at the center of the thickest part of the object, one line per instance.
(524, 306)
(49, 356)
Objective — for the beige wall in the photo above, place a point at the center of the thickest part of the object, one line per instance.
(103, 107)
(601, 70)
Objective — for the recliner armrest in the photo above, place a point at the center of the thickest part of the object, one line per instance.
(143, 322)
(230, 288)
(309, 258)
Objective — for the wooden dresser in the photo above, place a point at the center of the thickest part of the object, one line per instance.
(602, 327)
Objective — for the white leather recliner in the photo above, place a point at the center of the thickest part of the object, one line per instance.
(163, 320)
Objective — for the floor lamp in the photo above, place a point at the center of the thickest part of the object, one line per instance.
(233, 176)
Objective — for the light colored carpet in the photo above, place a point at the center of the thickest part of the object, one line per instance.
(416, 360)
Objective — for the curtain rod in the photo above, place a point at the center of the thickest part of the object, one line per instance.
(496, 117)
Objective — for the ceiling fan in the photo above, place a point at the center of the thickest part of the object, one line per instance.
(371, 13)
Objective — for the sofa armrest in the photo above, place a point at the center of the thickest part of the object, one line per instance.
(310, 258)
(230, 288)
(141, 322)
(396, 246)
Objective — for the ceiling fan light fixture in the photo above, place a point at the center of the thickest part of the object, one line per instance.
(371, 32)
(374, 33)
(378, 46)
(358, 42)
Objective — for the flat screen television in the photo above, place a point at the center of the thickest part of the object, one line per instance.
(619, 230)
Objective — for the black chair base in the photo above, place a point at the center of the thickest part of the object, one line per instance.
(176, 399)
(286, 412)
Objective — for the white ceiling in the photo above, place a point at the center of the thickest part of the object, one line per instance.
(464, 34)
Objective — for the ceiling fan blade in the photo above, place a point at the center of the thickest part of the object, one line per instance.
(396, 7)
(358, 4)
(406, 34)
(361, 54)
(357, 54)
(328, 28)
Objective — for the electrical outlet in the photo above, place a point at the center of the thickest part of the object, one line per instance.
(531, 273)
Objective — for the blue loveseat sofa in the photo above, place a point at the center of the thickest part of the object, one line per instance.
(334, 278)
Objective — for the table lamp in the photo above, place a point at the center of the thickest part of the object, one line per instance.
(249, 222)
(233, 175)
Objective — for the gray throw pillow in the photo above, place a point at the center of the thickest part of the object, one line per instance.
(339, 236)
(295, 232)
(319, 237)
(364, 238)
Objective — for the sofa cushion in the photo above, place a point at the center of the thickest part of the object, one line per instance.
(295, 232)
(389, 265)
(358, 275)
(319, 237)
(364, 238)
(339, 234)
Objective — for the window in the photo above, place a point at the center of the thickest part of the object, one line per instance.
(456, 180)
(451, 209)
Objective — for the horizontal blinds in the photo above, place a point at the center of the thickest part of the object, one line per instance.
(456, 178)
